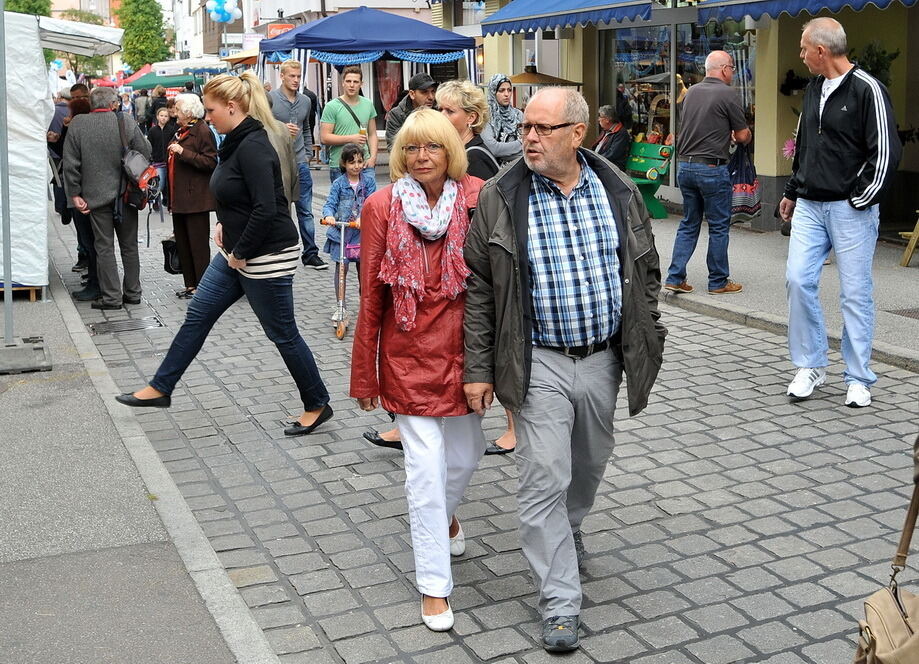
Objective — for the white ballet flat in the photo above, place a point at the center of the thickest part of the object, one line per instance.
(442, 622)
(458, 542)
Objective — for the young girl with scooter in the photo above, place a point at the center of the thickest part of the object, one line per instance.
(342, 213)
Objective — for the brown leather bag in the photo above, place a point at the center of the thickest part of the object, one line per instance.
(889, 634)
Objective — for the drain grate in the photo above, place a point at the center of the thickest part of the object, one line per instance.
(126, 325)
(908, 313)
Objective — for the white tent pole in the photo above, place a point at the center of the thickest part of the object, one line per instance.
(5, 188)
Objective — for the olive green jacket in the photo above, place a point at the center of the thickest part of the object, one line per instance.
(498, 319)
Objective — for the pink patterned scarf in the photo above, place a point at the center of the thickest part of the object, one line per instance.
(402, 266)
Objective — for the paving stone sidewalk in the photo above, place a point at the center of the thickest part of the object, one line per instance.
(732, 526)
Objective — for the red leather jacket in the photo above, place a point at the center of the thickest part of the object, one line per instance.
(418, 372)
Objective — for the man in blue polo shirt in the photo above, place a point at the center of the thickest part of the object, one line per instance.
(712, 118)
(293, 110)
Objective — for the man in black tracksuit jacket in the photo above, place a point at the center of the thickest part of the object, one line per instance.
(846, 154)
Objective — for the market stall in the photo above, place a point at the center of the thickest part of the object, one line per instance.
(25, 113)
(363, 36)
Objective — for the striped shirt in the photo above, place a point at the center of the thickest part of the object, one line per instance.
(574, 267)
(278, 264)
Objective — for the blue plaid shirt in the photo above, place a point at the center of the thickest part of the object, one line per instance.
(574, 267)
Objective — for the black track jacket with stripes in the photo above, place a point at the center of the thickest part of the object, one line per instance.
(850, 152)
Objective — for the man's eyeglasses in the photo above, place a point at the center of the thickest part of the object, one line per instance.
(731, 67)
(430, 148)
(541, 129)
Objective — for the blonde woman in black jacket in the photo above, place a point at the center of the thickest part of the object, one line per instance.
(259, 249)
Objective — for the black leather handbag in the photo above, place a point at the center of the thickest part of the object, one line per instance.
(171, 256)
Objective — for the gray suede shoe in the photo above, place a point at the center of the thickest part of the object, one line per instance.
(560, 633)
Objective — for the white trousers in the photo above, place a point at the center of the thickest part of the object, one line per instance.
(441, 453)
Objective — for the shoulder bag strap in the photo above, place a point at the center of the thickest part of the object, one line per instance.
(119, 118)
(899, 560)
(487, 153)
(348, 108)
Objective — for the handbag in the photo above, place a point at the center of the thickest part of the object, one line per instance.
(171, 262)
(745, 194)
(889, 634)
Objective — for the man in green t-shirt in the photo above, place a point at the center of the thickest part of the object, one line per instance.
(349, 119)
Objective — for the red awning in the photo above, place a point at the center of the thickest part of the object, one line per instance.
(146, 69)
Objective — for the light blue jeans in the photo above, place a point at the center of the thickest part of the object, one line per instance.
(816, 228)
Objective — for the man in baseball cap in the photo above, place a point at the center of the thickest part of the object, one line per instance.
(421, 89)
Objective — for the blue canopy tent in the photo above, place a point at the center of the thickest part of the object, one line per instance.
(365, 35)
(366, 32)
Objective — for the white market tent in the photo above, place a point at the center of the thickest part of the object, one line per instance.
(26, 91)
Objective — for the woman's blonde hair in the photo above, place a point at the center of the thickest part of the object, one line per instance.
(424, 126)
(468, 97)
(159, 91)
(248, 93)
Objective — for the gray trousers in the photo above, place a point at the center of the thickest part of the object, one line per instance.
(104, 232)
(564, 441)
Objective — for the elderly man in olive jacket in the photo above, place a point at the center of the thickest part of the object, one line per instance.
(93, 182)
(562, 300)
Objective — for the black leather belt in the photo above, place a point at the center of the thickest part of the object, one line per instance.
(708, 161)
(580, 352)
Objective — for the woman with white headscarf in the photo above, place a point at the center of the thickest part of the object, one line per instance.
(500, 134)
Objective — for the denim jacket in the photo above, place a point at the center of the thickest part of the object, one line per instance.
(344, 206)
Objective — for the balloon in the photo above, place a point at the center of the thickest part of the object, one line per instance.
(210, 5)
(229, 5)
(215, 16)
(237, 13)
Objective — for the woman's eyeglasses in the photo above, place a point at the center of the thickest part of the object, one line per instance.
(541, 129)
(430, 148)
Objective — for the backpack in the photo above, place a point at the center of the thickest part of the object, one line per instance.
(143, 181)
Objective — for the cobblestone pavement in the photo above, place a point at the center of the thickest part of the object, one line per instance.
(732, 526)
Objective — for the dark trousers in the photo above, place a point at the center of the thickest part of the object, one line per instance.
(192, 233)
(272, 300)
(84, 227)
(104, 231)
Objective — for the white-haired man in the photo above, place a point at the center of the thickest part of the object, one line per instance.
(564, 292)
(846, 154)
(93, 182)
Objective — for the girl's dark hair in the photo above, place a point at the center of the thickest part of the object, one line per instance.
(348, 152)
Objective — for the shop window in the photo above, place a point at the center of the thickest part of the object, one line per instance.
(636, 72)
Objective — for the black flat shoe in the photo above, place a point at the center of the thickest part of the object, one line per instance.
(129, 399)
(374, 437)
(495, 449)
(130, 300)
(99, 304)
(297, 429)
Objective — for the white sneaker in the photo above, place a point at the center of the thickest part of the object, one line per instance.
(858, 396)
(458, 542)
(337, 317)
(442, 622)
(805, 381)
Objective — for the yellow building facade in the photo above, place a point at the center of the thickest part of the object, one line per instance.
(655, 49)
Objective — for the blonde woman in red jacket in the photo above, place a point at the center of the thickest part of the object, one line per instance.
(408, 344)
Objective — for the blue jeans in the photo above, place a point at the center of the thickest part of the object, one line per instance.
(304, 208)
(852, 234)
(705, 189)
(272, 300)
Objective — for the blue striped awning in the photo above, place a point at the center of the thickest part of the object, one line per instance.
(529, 15)
(723, 10)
